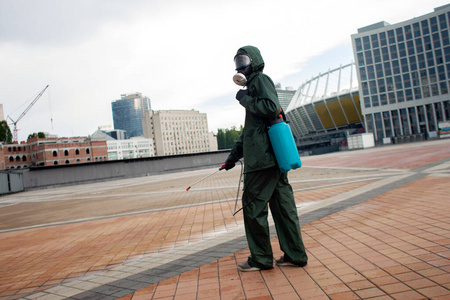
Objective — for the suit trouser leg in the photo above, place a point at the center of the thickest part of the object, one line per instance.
(258, 236)
(284, 213)
(258, 186)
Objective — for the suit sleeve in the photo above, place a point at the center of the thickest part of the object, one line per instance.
(262, 98)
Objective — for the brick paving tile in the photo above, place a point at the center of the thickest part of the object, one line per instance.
(395, 244)
(409, 295)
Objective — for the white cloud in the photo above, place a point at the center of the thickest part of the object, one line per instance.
(178, 53)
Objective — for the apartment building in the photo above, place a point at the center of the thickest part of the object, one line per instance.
(178, 132)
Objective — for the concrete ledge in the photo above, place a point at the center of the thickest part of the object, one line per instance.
(51, 176)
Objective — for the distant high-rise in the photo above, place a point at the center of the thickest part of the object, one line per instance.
(285, 95)
(128, 112)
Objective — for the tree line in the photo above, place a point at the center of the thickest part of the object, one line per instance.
(226, 138)
(6, 135)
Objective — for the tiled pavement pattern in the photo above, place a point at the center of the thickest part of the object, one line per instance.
(375, 224)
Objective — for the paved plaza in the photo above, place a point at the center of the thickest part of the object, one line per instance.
(375, 223)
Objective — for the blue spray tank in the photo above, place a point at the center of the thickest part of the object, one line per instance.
(283, 144)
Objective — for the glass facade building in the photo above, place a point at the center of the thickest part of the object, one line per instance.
(128, 112)
(403, 74)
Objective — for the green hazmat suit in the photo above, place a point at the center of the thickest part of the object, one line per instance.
(263, 181)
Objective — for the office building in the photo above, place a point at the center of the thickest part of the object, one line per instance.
(284, 95)
(178, 131)
(404, 72)
(128, 112)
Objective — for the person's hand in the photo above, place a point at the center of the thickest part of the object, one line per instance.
(228, 165)
(241, 93)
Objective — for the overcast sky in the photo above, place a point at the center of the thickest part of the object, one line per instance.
(177, 53)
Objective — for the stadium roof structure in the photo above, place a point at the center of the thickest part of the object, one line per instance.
(327, 102)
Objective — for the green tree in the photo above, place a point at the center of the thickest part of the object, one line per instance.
(226, 138)
(5, 133)
(40, 135)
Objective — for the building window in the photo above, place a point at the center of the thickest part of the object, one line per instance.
(409, 95)
(425, 28)
(419, 45)
(433, 24)
(17, 158)
(442, 21)
(402, 49)
(391, 98)
(389, 84)
(393, 50)
(55, 154)
(445, 39)
(444, 89)
(383, 39)
(387, 123)
(426, 91)
(366, 43)
(55, 162)
(391, 37)
(369, 59)
(67, 162)
(381, 85)
(374, 39)
(77, 152)
(396, 67)
(66, 153)
(413, 63)
(406, 80)
(416, 29)
(87, 151)
(375, 101)
(417, 93)
(11, 159)
(24, 158)
(408, 32)
(404, 121)
(400, 96)
(358, 44)
(378, 126)
(400, 37)
(404, 63)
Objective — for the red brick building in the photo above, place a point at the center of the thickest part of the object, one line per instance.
(52, 151)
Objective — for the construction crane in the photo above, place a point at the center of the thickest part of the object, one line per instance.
(15, 133)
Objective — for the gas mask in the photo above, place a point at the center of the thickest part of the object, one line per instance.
(243, 64)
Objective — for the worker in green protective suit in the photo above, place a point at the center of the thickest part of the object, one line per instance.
(264, 183)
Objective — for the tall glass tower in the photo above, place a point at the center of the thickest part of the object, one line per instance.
(128, 112)
(404, 75)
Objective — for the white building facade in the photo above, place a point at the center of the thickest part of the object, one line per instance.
(178, 132)
(136, 147)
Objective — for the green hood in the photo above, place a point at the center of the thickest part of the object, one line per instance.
(255, 55)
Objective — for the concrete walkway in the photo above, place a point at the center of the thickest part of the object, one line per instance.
(375, 224)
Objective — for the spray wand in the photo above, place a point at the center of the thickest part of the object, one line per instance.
(220, 169)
